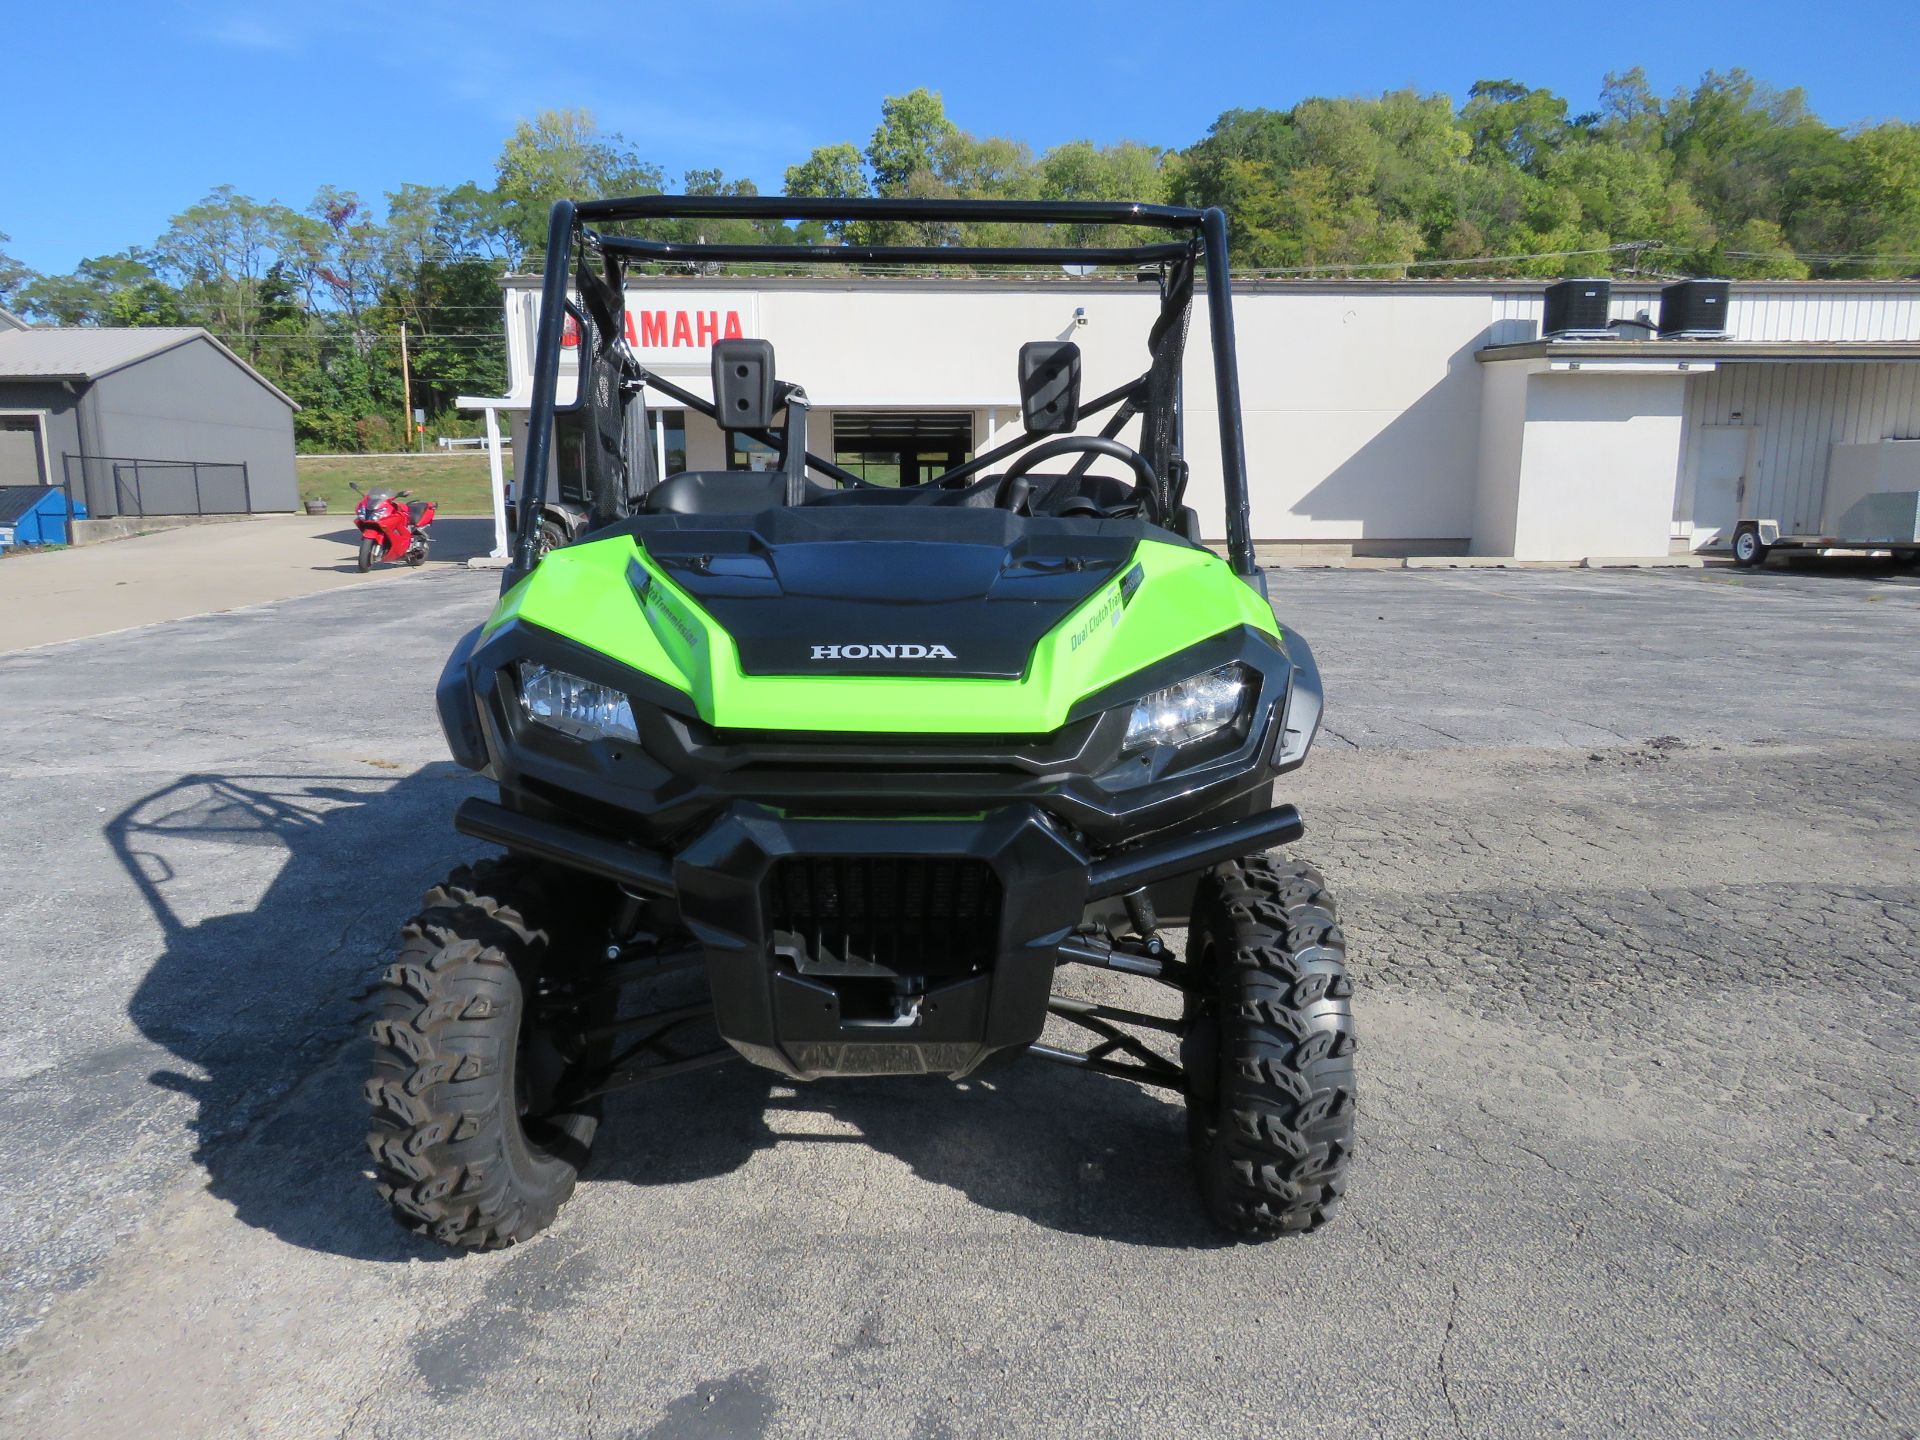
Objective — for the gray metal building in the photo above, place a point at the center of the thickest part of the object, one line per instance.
(155, 421)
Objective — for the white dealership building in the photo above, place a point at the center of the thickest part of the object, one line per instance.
(1382, 418)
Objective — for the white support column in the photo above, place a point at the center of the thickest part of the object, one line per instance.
(497, 478)
(660, 444)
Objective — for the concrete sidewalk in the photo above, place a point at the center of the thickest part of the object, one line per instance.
(198, 570)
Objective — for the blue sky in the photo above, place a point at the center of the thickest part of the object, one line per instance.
(111, 126)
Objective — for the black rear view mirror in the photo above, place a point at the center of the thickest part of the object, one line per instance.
(1050, 386)
(743, 386)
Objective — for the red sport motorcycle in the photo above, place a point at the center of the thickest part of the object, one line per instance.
(389, 528)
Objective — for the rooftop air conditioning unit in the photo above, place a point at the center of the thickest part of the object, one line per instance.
(1577, 310)
(1695, 310)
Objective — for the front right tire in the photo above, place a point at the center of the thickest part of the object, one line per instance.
(1267, 1044)
(473, 1140)
(366, 554)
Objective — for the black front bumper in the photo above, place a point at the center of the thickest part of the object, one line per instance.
(947, 930)
(791, 1012)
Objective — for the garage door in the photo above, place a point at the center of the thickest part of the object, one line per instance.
(20, 451)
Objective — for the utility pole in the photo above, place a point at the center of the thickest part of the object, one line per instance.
(406, 389)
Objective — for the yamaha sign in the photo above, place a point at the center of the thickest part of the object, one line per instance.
(667, 329)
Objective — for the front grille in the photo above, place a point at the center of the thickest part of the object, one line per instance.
(892, 914)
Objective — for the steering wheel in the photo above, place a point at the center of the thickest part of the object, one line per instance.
(1145, 489)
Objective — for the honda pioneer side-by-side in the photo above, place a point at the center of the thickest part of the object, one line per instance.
(873, 761)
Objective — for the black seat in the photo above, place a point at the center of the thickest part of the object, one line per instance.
(416, 509)
(718, 492)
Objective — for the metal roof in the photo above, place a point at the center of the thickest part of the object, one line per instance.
(86, 352)
(1685, 350)
(1243, 283)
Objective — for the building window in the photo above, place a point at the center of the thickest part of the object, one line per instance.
(746, 453)
(675, 424)
(897, 447)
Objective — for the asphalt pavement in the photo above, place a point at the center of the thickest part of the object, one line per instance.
(1627, 863)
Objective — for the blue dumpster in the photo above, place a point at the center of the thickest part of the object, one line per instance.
(35, 515)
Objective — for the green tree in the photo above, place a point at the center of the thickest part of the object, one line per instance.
(1881, 196)
(1750, 152)
(830, 172)
(1238, 166)
(340, 253)
(1505, 118)
(474, 222)
(118, 289)
(14, 276)
(218, 252)
(1630, 113)
(1081, 170)
(913, 129)
(1756, 250)
(562, 154)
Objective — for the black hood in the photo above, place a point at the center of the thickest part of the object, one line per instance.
(887, 591)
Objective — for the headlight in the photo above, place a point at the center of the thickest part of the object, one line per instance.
(1189, 711)
(574, 706)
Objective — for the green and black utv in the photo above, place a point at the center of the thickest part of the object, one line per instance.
(877, 760)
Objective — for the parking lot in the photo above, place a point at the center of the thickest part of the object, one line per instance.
(1627, 864)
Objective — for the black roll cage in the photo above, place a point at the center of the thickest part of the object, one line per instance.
(571, 225)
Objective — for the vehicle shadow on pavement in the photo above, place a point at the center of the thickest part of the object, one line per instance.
(263, 1009)
(261, 1006)
(1083, 1154)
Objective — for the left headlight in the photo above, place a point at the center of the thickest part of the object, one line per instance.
(1191, 710)
(574, 706)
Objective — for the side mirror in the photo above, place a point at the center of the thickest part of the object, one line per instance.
(354, 485)
(401, 494)
(1050, 386)
(743, 389)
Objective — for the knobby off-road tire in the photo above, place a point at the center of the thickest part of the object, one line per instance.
(1268, 1047)
(366, 554)
(468, 1144)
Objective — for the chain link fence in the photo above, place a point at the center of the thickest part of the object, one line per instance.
(110, 485)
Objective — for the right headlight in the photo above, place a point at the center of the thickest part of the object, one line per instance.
(1191, 710)
(574, 706)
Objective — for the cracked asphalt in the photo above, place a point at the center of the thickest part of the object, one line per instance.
(1630, 870)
